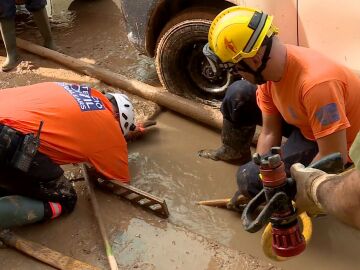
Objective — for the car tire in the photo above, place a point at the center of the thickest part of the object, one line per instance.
(180, 63)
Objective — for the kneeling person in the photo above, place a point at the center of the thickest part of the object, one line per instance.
(80, 124)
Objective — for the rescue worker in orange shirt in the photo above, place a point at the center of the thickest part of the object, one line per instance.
(80, 124)
(302, 95)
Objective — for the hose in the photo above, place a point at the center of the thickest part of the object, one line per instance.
(266, 238)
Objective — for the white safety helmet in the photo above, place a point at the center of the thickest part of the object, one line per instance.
(126, 111)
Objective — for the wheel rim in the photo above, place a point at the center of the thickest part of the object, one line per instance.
(200, 72)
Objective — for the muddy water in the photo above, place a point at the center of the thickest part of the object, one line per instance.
(179, 249)
(166, 164)
(96, 30)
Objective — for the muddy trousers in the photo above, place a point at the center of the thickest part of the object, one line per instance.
(8, 8)
(239, 106)
(26, 202)
(41, 193)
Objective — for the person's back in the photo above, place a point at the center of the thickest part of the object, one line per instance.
(303, 96)
(79, 125)
(310, 82)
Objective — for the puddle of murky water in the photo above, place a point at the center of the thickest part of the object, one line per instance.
(61, 16)
(136, 249)
(169, 180)
(166, 165)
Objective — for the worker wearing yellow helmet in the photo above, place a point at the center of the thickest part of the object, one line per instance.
(238, 33)
(300, 94)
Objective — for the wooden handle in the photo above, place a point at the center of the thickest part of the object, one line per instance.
(43, 254)
(94, 202)
(215, 203)
(223, 202)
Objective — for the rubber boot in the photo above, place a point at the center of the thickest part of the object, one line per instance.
(19, 210)
(42, 22)
(235, 144)
(8, 34)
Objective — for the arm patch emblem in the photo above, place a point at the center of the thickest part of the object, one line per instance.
(328, 114)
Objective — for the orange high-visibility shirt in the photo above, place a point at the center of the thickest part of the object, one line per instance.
(314, 94)
(79, 125)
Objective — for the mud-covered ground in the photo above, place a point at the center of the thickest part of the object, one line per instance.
(140, 240)
(164, 164)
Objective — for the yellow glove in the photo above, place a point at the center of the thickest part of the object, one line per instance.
(308, 181)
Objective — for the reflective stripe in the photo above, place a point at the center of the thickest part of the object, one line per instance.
(56, 209)
(255, 35)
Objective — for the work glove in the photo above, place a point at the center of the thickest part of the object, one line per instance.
(140, 130)
(308, 181)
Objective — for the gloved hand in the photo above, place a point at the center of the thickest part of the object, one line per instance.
(308, 181)
(140, 130)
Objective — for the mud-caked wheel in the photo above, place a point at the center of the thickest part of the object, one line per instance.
(181, 65)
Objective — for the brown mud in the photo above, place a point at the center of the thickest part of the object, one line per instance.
(164, 163)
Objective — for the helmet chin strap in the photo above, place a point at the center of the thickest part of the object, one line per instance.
(259, 79)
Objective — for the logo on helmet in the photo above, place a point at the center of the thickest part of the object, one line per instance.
(230, 45)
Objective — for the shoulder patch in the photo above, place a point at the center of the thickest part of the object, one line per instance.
(328, 114)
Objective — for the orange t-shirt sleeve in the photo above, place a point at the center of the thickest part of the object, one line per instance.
(264, 99)
(114, 166)
(325, 106)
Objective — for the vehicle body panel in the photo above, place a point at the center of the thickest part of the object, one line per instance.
(332, 27)
(323, 24)
(137, 15)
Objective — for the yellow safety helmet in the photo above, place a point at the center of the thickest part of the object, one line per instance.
(238, 32)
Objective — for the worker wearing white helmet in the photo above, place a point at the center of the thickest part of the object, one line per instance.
(124, 111)
(78, 124)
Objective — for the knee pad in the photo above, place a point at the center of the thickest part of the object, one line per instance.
(61, 190)
(248, 180)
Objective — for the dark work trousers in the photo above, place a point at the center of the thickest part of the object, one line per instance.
(45, 180)
(239, 106)
(8, 8)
